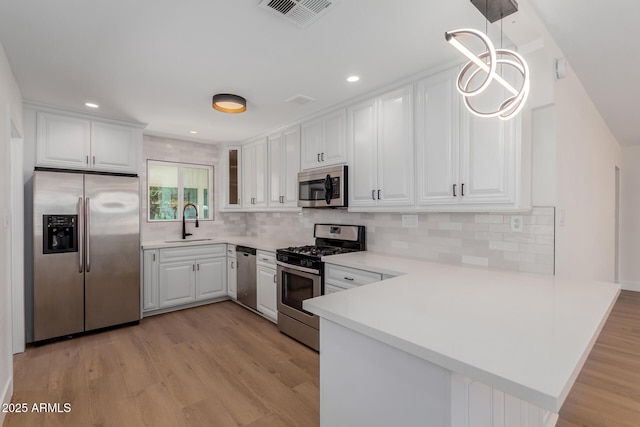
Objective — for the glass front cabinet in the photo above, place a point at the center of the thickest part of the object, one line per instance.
(232, 184)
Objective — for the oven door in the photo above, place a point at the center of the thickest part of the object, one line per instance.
(295, 286)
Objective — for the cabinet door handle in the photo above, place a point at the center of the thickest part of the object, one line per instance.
(378, 194)
(462, 190)
(348, 278)
(87, 160)
(322, 156)
(373, 194)
(275, 278)
(232, 264)
(454, 190)
(198, 267)
(318, 157)
(94, 160)
(193, 267)
(154, 257)
(264, 259)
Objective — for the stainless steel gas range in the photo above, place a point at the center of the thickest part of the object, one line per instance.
(301, 276)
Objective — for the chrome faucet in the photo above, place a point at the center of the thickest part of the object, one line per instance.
(184, 223)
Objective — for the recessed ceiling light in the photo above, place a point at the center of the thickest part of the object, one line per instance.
(353, 79)
(193, 131)
(91, 105)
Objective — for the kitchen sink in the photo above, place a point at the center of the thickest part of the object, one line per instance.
(186, 240)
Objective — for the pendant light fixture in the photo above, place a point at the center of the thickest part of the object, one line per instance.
(487, 63)
(229, 103)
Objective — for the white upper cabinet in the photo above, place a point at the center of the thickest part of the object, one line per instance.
(284, 165)
(488, 161)
(437, 116)
(380, 135)
(231, 178)
(254, 174)
(63, 141)
(114, 147)
(323, 141)
(74, 142)
(464, 162)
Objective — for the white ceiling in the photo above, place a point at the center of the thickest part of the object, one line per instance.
(160, 61)
(599, 39)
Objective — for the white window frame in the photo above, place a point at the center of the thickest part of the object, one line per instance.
(180, 165)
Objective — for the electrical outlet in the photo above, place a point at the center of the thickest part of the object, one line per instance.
(410, 221)
(516, 223)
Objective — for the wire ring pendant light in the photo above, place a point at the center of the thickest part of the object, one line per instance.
(487, 62)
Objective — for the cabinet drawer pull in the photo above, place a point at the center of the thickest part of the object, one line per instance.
(373, 194)
(264, 259)
(348, 278)
(454, 190)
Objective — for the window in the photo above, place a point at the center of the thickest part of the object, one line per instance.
(172, 186)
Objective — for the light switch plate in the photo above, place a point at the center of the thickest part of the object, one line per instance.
(410, 221)
(516, 223)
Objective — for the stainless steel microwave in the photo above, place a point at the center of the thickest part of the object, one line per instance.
(323, 188)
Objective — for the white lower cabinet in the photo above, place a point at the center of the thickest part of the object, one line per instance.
(232, 272)
(211, 278)
(267, 288)
(177, 283)
(150, 280)
(338, 277)
(185, 275)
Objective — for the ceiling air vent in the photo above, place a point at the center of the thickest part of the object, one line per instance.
(301, 12)
(300, 99)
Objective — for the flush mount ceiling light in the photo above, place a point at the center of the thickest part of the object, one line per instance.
(229, 103)
(91, 105)
(353, 79)
(488, 61)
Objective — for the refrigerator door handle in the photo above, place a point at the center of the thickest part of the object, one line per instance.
(87, 214)
(80, 236)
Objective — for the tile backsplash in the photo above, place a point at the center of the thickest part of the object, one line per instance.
(477, 239)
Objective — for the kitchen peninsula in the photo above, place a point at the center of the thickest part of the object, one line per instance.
(442, 345)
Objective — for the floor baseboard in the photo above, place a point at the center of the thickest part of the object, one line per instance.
(7, 393)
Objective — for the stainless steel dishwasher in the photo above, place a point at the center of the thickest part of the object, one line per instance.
(246, 258)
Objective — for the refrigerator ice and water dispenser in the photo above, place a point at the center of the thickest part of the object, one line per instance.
(60, 234)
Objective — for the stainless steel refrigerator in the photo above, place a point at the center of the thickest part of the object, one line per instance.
(86, 252)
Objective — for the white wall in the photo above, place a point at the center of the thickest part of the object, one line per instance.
(586, 157)
(630, 219)
(10, 125)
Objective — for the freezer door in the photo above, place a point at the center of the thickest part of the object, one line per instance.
(58, 276)
(112, 254)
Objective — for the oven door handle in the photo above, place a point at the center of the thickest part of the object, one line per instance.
(298, 268)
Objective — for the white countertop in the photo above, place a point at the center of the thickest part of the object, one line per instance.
(527, 335)
(252, 242)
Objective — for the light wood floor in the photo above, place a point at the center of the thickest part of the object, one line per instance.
(215, 365)
(607, 391)
(220, 365)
